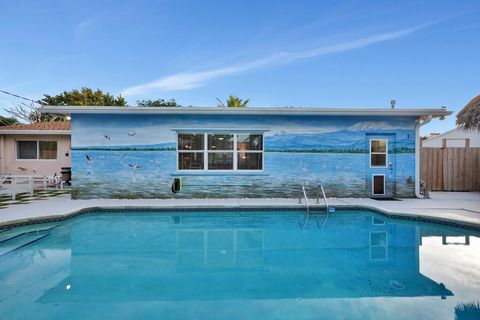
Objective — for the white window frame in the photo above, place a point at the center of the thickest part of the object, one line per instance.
(38, 150)
(375, 246)
(385, 153)
(373, 185)
(235, 152)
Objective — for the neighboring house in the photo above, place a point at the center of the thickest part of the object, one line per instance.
(35, 149)
(454, 138)
(135, 152)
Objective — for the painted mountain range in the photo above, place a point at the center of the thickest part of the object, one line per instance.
(340, 141)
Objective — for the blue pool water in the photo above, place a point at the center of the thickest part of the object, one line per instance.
(237, 265)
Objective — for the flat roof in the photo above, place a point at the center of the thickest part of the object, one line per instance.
(434, 112)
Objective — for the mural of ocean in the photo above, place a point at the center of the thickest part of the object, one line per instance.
(110, 175)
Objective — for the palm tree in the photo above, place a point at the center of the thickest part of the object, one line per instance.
(469, 117)
(233, 102)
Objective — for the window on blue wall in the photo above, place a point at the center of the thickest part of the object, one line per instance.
(220, 151)
(378, 153)
(190, 151)
(250, 151)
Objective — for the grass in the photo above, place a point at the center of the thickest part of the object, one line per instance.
(23, 198)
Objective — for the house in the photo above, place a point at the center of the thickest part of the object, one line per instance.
(135, 152)
(454, 138)
(37, 149)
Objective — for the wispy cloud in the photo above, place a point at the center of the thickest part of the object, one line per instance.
(83, 27)
(190, 80)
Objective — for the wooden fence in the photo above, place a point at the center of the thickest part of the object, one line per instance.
(450, 169)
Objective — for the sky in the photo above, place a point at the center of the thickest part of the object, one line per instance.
(423, 54)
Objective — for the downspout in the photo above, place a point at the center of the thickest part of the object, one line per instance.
(420, 123)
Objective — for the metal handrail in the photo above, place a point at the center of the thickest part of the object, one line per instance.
(302, 188)
(326, 205)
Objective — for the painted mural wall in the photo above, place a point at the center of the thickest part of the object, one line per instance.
(134, 156)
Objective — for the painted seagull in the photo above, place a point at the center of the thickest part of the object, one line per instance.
(89, 159)
(106, 137)
(131, 134)
(135, 167)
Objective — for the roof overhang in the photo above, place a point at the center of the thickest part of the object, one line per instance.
(36, 132)
(438, 112)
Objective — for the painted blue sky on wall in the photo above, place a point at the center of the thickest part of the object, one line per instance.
(281, 131)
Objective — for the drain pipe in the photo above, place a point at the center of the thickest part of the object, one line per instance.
(417, 154)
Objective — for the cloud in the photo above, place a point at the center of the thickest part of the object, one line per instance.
(191, 80)
(83, 27)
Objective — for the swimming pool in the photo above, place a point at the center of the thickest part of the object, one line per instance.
(237, 265)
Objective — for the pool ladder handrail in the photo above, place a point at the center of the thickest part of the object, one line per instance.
(302, 191)
(326, 204)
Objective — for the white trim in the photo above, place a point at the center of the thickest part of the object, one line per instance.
(373, 187)
(385, 153)
(252, 111)
(36, 132)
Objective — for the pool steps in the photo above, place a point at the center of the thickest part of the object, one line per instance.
(17, 240)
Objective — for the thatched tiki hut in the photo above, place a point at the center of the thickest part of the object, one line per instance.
(469, 117)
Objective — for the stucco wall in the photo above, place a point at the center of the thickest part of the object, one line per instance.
(10, 165)
(307, 150)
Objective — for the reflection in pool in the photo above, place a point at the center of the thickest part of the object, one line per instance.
(236, 265)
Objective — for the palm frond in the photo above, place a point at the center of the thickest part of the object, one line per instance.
(469, 117)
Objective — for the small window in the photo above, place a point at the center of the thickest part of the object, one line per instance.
(26, 150)
(378, 153)
(250, 161)
(220, 142)
(249, 142)
(378, 184)
(190, 142)
(190, 161)
(220, 161)
(47, 149)
(36, 150)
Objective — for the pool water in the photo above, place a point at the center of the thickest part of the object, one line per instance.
(238, 265)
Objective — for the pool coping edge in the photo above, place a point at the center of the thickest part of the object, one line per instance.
(199, 208)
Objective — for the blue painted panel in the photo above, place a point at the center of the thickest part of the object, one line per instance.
(298, 149)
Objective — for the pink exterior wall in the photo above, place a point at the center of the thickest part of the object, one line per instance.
(10, 165)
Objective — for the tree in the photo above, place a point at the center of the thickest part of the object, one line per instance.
(157, 103)
(8, 121)
(83, 97)
(469, 117)
(31, 113)
(233, 102)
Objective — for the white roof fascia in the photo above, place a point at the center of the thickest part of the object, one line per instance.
(245, 111)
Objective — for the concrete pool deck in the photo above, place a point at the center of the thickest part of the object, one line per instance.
(455, 207)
